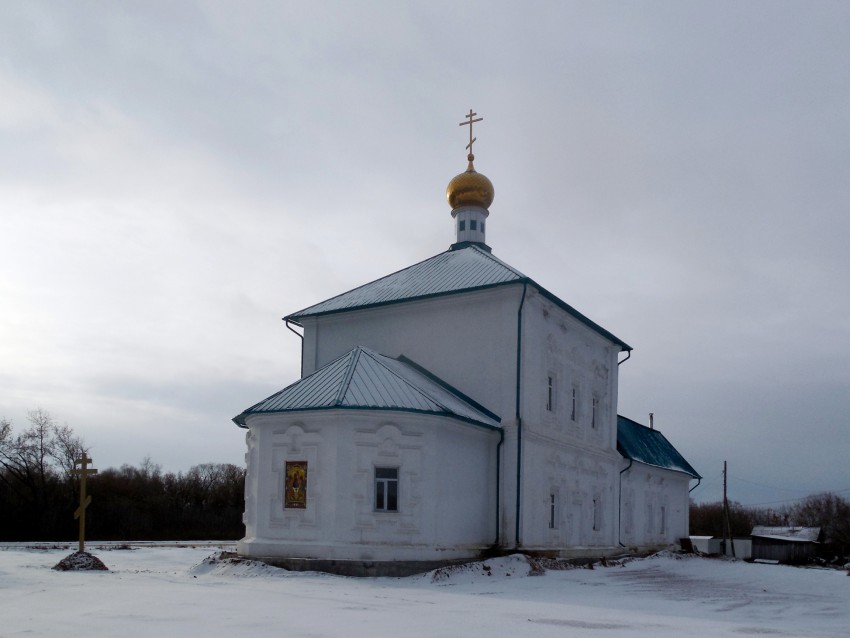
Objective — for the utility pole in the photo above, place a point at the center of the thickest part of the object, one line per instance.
(727, 526)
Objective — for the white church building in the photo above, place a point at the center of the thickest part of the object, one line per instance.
(452, 410)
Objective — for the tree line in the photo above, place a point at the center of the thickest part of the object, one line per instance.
(39, 492)
(827, 510)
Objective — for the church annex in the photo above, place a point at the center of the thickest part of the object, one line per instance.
(451, 409)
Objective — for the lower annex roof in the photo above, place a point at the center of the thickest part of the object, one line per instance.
(365, 380)
(645, 445)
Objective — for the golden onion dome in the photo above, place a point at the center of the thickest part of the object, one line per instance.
(470, 188)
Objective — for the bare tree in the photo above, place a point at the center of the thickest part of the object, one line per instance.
(37, 488)
(831, 513)
(25, 457)
(67, 448)
(43, 452)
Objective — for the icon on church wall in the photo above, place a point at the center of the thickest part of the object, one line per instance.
(295, 485)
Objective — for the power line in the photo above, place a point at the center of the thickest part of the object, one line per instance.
(772, 487)
(808, 493)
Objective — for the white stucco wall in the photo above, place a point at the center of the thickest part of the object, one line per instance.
(557, 345)
(581, 482)
(470, 341)
(446, 486)
(654, 508)
(567, 452)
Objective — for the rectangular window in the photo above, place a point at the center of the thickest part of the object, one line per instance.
(593, 413)
(663, 521)
(386, 489)
(482, 227)
(295, 485)
(461, 225)
(596, 513)
(552, 511)
(550, 394)
(473, 225)
(574, 405)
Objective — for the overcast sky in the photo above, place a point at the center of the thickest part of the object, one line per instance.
(177, 176)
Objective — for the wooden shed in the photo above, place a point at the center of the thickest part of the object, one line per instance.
(785, 544)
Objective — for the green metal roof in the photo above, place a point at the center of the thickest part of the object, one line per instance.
(365, 380)
(645, 445)
(452, 271)
(461, 270)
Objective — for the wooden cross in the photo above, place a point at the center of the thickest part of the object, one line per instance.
(83, 471)
(469, 117)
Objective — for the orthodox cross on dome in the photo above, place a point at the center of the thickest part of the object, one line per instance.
(470, 195)
(83, 471)
(469, 117)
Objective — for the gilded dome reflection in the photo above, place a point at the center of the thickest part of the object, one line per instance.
(470, 189)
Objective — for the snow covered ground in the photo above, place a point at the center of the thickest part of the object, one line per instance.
(174, 591)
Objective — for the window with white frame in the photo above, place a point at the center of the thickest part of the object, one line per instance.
(552, 512)
(663, 520)
(386, 489)
(550, 394)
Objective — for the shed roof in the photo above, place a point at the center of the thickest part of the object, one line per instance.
(791, 534)
(365, 380)
(461, 270)
(645, 445)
